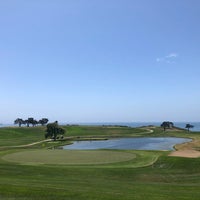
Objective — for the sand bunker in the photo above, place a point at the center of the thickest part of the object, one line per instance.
(186, 153)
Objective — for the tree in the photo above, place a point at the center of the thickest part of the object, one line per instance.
(19, 121)
(53, 130)
(61, 131)
(188, 126)
(26, 122)
(34, 122)
(167, 124)
(43, 121)
(29, 121)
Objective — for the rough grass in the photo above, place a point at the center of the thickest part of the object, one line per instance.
(12, 136)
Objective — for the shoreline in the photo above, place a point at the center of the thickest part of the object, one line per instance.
(187, 150)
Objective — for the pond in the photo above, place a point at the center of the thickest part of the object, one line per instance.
(148, 143)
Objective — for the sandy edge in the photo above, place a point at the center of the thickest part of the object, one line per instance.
(187, 149)
(188, 153)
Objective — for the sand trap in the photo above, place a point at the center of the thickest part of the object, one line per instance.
(186, 153)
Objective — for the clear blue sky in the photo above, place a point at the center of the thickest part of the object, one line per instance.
(100, 60)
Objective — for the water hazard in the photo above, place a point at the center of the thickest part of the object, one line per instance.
(149, 143)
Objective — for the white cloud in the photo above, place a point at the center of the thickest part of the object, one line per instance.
(170, 58)
(172, 55)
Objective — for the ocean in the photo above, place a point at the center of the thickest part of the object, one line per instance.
(132, 124)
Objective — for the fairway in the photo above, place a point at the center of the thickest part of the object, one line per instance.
(41, 172)
(69, 157)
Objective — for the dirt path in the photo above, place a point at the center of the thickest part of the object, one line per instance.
(27, 145)
(34, 143)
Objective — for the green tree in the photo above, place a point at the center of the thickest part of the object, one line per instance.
(43, 121)
(19, 121)
(53, 130)
(188, 126)
(32, 121)
(167, 124)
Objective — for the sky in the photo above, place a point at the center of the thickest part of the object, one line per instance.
(100, 61)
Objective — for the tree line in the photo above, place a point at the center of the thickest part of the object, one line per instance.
(53, 130)
(31, 121)
(167, 125)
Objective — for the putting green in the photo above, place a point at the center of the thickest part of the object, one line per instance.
(69, 157)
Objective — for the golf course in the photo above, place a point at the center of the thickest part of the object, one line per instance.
(32, 167)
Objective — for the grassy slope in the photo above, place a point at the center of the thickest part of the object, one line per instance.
(102, 131)
(18, 136)
(168, 178)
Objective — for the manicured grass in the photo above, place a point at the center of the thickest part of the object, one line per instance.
(69, 157)
(151, 175)
(165, 179)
